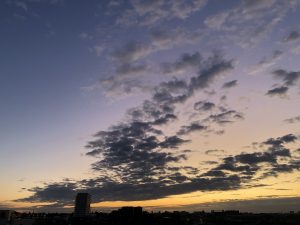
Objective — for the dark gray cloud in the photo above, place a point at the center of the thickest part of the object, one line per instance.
(278, 91)
(233, 172)
(277, 142)
(230, 84)
(227, 116)
(289, 78)
(194, 126)
(265, 163)
(214, 152)
(215, 173)
(131, 52)
(184, 62)
(210, 162)
(204, 106)
(61, 193)
(215, 65)
(172, 142)
(293, 119)
(128, 68)
(292, 36)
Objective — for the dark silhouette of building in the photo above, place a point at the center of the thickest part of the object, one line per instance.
(6, 216)
(132, 212)
(82, 205)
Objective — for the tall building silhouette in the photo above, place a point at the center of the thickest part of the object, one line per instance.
(82, 204)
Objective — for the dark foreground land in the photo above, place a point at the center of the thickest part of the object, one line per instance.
(127, 217)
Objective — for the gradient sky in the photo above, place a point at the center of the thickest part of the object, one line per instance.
(166, 104)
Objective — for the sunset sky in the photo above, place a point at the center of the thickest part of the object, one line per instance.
(166, 104)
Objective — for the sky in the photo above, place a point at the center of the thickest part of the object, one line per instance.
(166, 104)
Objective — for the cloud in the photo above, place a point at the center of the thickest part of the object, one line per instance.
(277, 142)
(185, 61)
(250, 21)
(131, 52)
(204, 106)
(125, 69)
(163, 39)
(233, 172)
(292, 36)
(215, 65)
(194, 126)
(60, 193)
(214, 152)
(266, 63)
(132, 67)
(288, 79)
(97, 48)
(278, 91)
(85, 36)
(293, 119)
(145, 13)
(172, 142)
(260, 165)
(22, 5)
(227, 116)
(229, 84)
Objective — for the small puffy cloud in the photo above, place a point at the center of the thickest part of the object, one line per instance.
(230, 84)
(204, 106)
(85, 36)
(292, 36)
(194, 126)
(98, 49)
(278, 91)
(293, 119)
(214, 152)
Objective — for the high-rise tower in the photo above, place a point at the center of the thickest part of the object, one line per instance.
(82, 204)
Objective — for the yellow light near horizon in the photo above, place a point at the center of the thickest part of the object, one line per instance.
(280, 187)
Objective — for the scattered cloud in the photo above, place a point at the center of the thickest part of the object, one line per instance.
(278, 91)
(204, 106)
(145, 13)
(293, 119)
(194, 126)
(184, 62)
(230, 84)
(214, 152)
(288, 79)
(292, 36)
(266, 63)
(250, 21)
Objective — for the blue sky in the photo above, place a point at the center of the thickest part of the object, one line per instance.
(191, 82)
